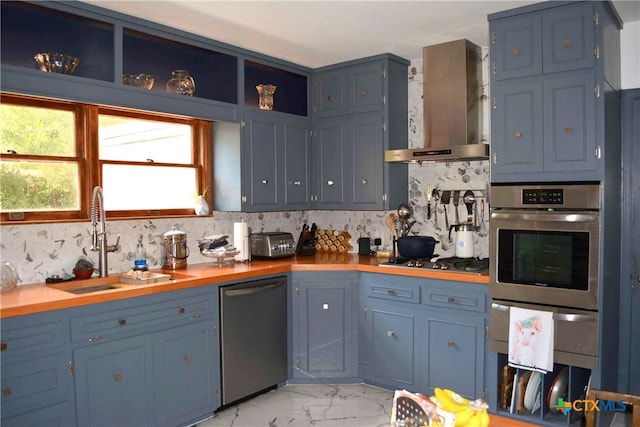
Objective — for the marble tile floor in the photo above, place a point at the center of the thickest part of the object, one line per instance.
(344, 405)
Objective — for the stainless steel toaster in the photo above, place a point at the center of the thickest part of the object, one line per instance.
(272, 245)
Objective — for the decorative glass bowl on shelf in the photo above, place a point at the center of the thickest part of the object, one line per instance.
(57, 63)
(221, 258)
(181, 83)
(144, 81)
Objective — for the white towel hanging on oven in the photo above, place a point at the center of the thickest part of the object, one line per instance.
(531, 339)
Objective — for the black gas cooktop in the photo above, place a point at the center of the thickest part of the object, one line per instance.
(453, 264)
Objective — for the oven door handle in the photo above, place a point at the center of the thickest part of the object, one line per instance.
(547, 216)
(499, 307)
(565, 317)
(573, 317)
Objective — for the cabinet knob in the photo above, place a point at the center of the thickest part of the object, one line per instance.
(122, 322)
(298, 183)
(330, 183)
(195, 317)
(3, 346)
(187, 357)
(567, 130)
(363, 182)
(6, 391)
(363, 92)
(451, 344)
(329, 98)
(494, 68)
(566, 43)
(391, 333)
(265, 182)
(451, 299)
(391, 292)
(181, 310)
(95, 339)
(517, 134)
(117, 378)
(515, 52)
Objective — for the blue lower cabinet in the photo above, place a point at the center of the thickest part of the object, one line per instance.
(324, 326)
(60, 415)
(391, 348)
(185, 371)
(114, 383)
(452, 353)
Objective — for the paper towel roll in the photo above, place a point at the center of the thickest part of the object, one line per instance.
(241, 240)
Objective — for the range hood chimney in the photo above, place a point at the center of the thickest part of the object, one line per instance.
(452, 107)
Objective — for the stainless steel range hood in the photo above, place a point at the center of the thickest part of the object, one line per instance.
(452, 107)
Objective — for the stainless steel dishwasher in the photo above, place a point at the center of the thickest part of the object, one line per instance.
(253, 333)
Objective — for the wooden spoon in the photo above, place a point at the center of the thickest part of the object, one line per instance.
(391, 220)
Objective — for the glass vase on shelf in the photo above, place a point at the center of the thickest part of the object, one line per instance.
(181, 83)
(265, 93)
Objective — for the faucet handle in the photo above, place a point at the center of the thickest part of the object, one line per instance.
(116, 246)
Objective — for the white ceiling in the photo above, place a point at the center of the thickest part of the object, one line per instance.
(315, 33)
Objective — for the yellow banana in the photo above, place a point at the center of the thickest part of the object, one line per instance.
(474, 421)
(456, 397)
(448, 402)
(463, 417)
(484, 418)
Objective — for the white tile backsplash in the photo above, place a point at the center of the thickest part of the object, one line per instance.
(41, 250)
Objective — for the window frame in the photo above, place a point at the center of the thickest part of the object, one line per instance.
(90, 165)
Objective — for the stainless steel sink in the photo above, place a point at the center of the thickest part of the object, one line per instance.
(89, 289)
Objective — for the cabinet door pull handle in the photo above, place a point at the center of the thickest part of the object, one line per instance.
(330, 182)
(117, 378)
(494, 68)
(451, 299)
(187, 357)
(516, 52)
(265, 182)
(391, 292)
(566, 43)
(3, 346)
(122, 322)
(6, 391)
(495, 158)
(363, 92)
(391, 333)
(95, 339)
(297, 183)
(195, 317)
(451, 344)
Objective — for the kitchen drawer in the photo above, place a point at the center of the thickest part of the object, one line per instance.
(30, 339)
(470, 301)
(33, 383)
(396, 291)
(96, 326)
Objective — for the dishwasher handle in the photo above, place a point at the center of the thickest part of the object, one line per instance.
(249, 291)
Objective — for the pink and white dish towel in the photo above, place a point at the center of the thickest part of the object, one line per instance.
(531, 339)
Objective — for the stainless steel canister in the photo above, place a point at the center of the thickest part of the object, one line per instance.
(174, 249)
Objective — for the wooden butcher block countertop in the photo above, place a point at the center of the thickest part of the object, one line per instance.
(39, 297)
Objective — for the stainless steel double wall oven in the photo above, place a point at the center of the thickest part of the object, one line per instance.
(545, 242)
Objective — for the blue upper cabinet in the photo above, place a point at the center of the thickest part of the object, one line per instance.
(516, 47)
(29, 29)
(555, 73)
(110, 44)
(568, 39)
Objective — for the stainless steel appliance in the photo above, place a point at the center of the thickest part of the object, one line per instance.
(253, 334)
(544, 242)
(272, 245)
(478, 266)
(452, 91)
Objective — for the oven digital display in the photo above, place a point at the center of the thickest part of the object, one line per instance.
(540, 196)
